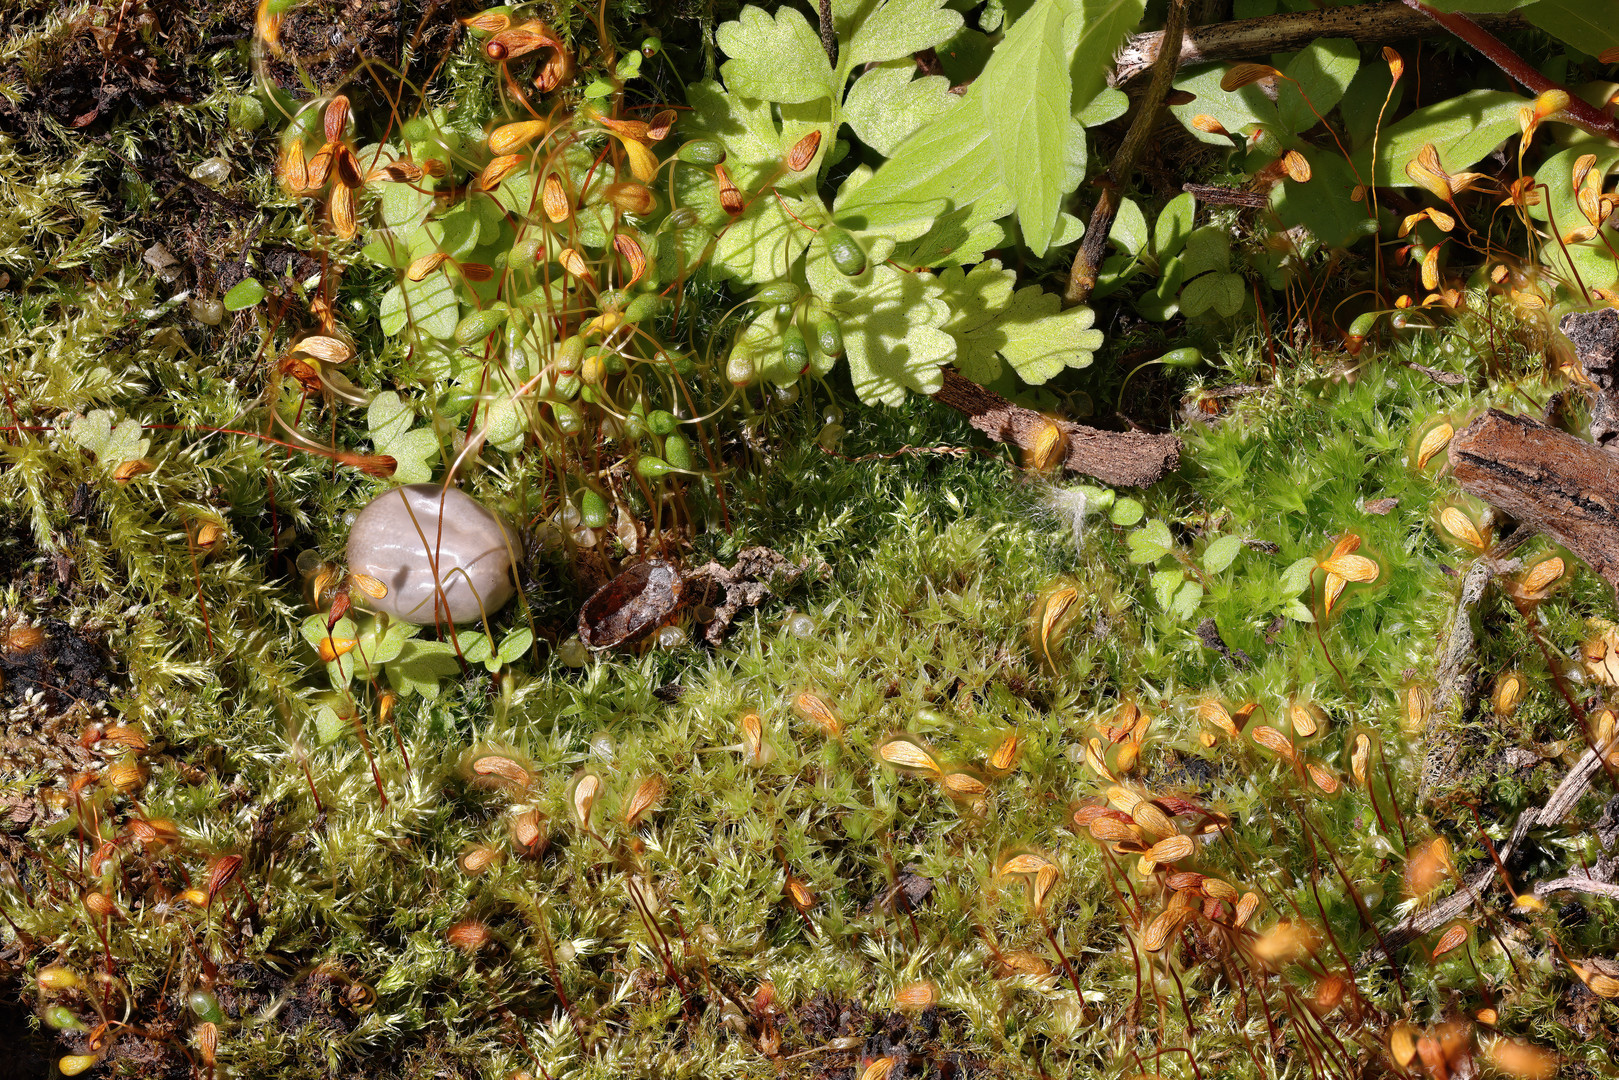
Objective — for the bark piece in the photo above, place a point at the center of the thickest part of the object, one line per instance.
(1119, 458)
(729, 590)
(1457, 688)
(1088, 259)
(634, 603)
(1557, 807)
(1368, 24)
(1595, 336)
(1550, 481)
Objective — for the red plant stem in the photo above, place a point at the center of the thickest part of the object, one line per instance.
(1581, 113)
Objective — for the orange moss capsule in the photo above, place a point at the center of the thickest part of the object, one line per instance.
(554, 200)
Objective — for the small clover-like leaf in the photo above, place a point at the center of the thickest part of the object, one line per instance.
(1151, 542)
(413, 450)
(1187, 600)
(112, 445)
(1127, 512)
(244, 294)
(420, 666)
(475, 647)
(774, 59)
(887, 104)
(1220, 553)
(1297, 575)
(515, 644)
(1164, 583)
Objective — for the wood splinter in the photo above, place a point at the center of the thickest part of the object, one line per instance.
(1119, 458)
(1549, 480)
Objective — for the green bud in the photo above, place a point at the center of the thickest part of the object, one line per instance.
(593, 509)
(739, 369)
(567, 418)
(848, 256)
(643, 307)
(62, 1018)
(683, 218)
(570, 354)
(651, 47)
(247, 113)
(662, 423)
(651, 468)
(704, 152)
(479, 325)
(1363, 323)
(1182, 358)
(677, 451)
(205, 1006)
(829, 336)
(777, 292)
(794, 351)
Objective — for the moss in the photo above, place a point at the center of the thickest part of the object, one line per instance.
(612, 949)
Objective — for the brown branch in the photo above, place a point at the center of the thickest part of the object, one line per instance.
(1549, 480)
(1088, 259)
(1372, 24)
(1120, 458)
(1579, 111)
(1456, 684)
(1561, 803)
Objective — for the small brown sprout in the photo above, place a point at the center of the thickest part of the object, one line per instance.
(586, 787)
(497, 170)
(803, 152)
(1171, 849)
(125, 777)
(475, 860)
(908, 753)
(1450, 940)
(99, 904)
(1004, 757)
(221, 874)
(1509, 691)
(468, 935)
(916, 995)
(420, 268)
(878, 1069)
(508, 137)
(647, 795)
(128, 470)
(501, 771)
(816, 710)
(1242, 75)
(730, 198)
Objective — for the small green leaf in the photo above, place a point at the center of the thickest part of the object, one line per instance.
(1298, 612)
(1150, 543)
(886, 104)
(1297, 576)
(1164, 583)
(413, 450)
(1577, 23)
(1127, 512)
(774, 59)
(515, 644)
(1463, 129)
(1322, 71)
(1187, 600)
(1174, 226)
(475, 647)
(1220, 553)
(111, 445)
(899, 28)
(244, 294)
(1129, 232)
(420, 666)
